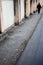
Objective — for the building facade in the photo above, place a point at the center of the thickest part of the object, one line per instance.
(13, 11)
(6, 14)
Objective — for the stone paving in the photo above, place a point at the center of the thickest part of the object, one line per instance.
(12, 46)
(33, 53)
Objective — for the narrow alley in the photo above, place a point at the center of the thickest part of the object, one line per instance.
(21, 32)
(16, 41)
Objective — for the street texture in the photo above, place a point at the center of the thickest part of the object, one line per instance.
(12, 46)
(33, 54)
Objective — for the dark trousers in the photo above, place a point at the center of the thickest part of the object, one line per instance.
(38, 11)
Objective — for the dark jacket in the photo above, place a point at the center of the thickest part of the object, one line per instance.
(39, 6)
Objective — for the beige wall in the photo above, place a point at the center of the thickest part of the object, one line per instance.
(41, 2)
(33, 7)
(19, 11)
(27, 8)
(7, 17)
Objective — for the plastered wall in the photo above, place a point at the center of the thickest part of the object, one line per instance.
(7, 14)
(33, 7)
(22, 9)
(27, 7)
(41, 2)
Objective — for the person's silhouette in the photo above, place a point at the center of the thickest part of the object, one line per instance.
(38, 7)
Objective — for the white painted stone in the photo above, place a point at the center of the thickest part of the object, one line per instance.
(7, 14)
(22, 9)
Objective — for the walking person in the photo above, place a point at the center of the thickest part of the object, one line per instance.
(38, 7)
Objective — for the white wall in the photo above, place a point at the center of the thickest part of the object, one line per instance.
(22, 9)
(8, 13)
